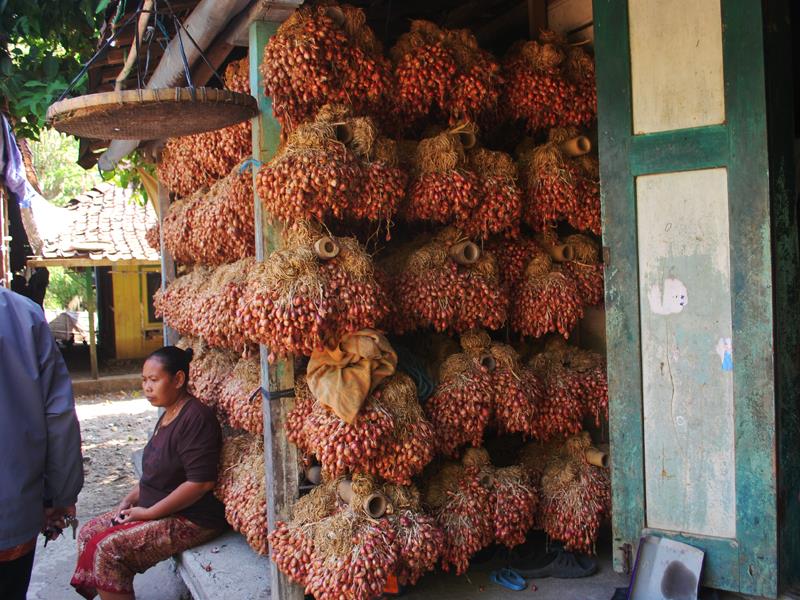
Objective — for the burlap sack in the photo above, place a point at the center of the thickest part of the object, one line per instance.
(342, 377)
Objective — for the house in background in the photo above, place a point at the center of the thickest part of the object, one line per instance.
(104, 230)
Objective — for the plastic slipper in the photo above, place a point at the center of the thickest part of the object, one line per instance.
(562, 565)
(509, 579)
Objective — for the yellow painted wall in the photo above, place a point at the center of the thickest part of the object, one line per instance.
(131, 338)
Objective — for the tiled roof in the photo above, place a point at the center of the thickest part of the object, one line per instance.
(104, 224)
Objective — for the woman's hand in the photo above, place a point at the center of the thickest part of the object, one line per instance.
(125, 504)
(135, 513)
(130, 500)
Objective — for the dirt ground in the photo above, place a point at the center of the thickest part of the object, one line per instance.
(112, 427)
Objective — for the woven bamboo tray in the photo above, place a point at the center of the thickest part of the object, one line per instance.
(150, 114)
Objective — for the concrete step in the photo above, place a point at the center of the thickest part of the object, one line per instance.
(106, 385)
(225, 569)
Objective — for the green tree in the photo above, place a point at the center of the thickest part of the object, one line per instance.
(43, 44)
(65, 285)
(55, 158)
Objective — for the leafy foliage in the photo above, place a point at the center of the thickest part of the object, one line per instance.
(65, 285)
(55, 158)
(126, 175)
(42, 46)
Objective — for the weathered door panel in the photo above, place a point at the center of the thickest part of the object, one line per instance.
(686, 216)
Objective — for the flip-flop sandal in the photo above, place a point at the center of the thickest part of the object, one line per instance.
(509, 579)
(561, 565)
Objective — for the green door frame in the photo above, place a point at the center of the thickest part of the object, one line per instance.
(750, 562)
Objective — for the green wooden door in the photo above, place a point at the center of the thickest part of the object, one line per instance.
(686, 217)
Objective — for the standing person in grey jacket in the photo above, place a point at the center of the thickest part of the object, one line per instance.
(40, 442)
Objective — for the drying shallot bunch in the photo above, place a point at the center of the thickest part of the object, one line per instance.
(458, 497)
(546, 299)
(208, 372)
(561, 181)
(192, 162)
(315, 290)
(576, 389)
(241, 488)
(475, 191)
(575, 489)
(462, 405)
(516, 500)
(214, 226)
(204, 303)
(549, 83)
(500, 206)
(323, 55)
(445, 282)
(240, 396)
(390, 437)
(443, 74)
(153, 237)
(335, 166)
(484, 384)
(585, 268)
(346, 538)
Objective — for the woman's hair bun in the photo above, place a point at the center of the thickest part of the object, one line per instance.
(189, 354)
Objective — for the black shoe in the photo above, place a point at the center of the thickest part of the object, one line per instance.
(559, 564)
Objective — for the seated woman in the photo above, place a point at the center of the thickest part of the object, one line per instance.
(173, 507)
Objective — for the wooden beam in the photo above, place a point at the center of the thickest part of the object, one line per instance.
(496, 28)
(271, 11)
(537, 17)
(83, 261)
(216, 55)
(281, 466)
(167, 263)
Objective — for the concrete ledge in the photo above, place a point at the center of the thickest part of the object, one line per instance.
(105, 385)
(225, 569)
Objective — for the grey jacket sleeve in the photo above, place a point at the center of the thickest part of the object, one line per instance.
(64, 468)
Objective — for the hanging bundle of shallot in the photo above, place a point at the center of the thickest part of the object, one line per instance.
(482, 385)
(336, 166)
(460, 499)
(546, 298)
(561, 181)
(516, 500)
(208, 372)
(575, 489)
(192, 162)
(204, 303)
(153, 237)
(214, 226)
(475, 191)
(443, 74)
(390, 437)
(586, 269)
(315, 290)
(445, 282)
(240, 397)
(576, 389)
(347, 537)
(325, 55)
(241, 488)
(549, 83)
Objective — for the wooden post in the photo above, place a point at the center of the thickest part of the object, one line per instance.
(280, 457)
(537, 17)
(167, 263)
(91, 308)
